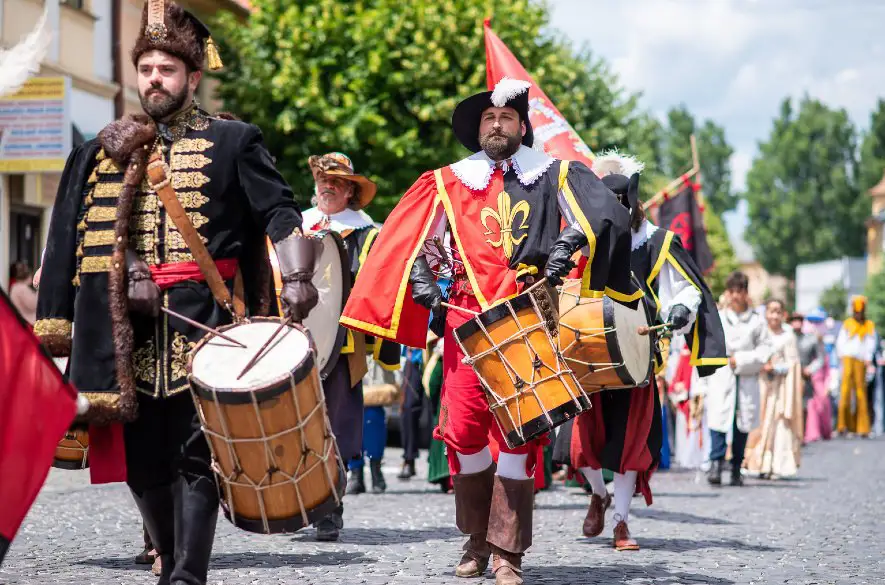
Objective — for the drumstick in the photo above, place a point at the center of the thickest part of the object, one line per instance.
(258, 355)
(468, 311)
(203, 327)
(645, 329)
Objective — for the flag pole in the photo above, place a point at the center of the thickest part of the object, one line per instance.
(694, 170)
(697, 164)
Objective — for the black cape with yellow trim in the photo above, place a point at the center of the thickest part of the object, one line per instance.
(385, 353)
(706, 337)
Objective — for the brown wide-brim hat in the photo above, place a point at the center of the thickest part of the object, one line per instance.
(338, 165)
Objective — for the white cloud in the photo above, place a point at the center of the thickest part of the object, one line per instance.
(734, 61)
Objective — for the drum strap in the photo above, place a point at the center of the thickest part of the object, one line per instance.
(158, 175)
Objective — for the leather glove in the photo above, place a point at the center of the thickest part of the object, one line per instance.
(679, 316)
(559, 262)
(425, 291)
(143, 292)
(297, 256)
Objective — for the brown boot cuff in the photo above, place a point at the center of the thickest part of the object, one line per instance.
(473, 500)
(510, 520)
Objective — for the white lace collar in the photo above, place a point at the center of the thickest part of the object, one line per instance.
(475, 171)
(640, 236)
(349, 219)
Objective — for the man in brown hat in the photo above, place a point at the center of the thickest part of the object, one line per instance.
(126, 240)
(340, 196)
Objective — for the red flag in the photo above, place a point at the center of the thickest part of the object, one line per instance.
(552, 131)
(36, 408)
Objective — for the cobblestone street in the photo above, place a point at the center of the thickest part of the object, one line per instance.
(825, 527)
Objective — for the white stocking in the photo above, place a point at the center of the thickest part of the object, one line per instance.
(625, 487)
(475, 462)
(594, 476)
(512, 465)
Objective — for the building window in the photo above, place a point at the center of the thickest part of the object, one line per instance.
(78, 4)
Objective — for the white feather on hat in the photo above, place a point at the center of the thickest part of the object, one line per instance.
(23, 60)
(507, 89)
(612, 162)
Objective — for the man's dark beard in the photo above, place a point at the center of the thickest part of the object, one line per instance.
(169, 105)
(498, 149)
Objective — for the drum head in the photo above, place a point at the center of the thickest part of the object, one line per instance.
(636, 350)
(331, 277)
(216, 363)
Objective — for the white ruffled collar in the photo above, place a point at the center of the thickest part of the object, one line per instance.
(349, 219)
(640, 236)
(475, 171)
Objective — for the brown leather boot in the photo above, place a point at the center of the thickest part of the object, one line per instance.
(510, 527)
(622, 539)
(473, 500)
(594, 522)
(507, 568)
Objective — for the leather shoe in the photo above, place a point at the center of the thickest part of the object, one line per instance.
(507, 568)
(622, 539)
(476, 557)
(736, 479)
(594, 522)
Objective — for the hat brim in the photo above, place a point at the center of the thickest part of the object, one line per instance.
(467, 114)
(366, 187)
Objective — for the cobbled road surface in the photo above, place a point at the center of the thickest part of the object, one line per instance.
(827, 526)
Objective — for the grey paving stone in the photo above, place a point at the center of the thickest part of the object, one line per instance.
(824, 527)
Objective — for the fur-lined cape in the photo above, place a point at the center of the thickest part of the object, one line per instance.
(126, 142)
(180, 34)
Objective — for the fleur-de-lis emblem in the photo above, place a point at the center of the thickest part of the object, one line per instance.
(506, 217)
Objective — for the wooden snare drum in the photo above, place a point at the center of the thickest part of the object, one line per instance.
(599, 340)
(512, 348)
(273, 450)
(73, 450)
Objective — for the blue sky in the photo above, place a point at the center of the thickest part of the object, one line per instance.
(733, 61)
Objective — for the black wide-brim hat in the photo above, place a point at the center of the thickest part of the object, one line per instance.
(465, 119)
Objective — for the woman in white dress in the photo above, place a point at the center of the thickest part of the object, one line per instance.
(774, 447)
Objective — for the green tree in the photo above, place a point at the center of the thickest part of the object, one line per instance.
(379, 79)
(723, 253)
(804, 203)
(872, 150)
(714, 153)
(875, 293)
(834, 300)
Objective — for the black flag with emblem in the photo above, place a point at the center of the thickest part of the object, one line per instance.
(683, 215)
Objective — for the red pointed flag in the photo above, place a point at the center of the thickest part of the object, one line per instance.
(552, 131)
(36, 408)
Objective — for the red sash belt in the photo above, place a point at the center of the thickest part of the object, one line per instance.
(166, 275)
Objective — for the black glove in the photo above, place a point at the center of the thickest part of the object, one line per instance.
(559, 263)
(296, 256)
(142, 291)
(679, 316)
(425, 291)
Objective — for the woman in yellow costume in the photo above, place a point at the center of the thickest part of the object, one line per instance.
(855, 346)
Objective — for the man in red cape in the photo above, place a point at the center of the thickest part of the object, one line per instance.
(501, 209)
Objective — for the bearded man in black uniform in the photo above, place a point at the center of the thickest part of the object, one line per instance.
(115, 257)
